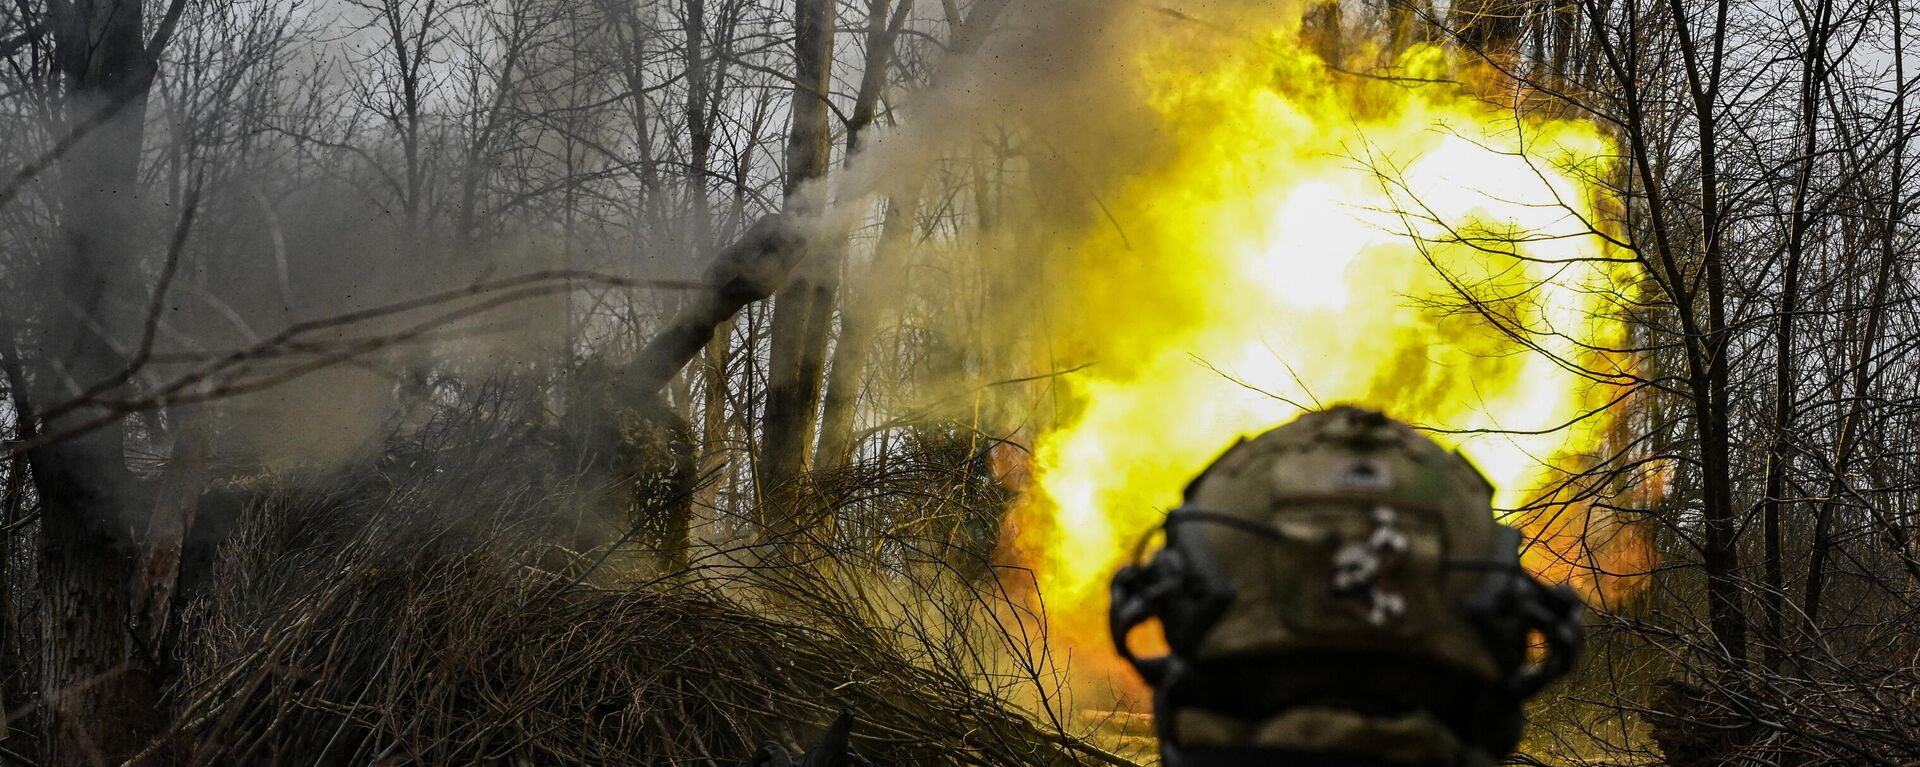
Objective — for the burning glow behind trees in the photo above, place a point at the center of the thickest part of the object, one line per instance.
(1311, 237)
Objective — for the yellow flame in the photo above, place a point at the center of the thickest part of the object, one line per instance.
(1310, 239)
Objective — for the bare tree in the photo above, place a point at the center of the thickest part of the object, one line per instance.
(1763, 194)
(86, 348)
(803, 309)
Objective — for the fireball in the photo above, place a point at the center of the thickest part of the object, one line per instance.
(1315, 237)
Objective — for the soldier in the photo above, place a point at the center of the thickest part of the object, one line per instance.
(1337, 592)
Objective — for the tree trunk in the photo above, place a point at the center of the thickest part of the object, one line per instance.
(860, 318)
(860, 323)
(1850, 425)
(1779, 457)
(1709, 368)
(856, 326)
(803, 309)
(176, 501)
(100, 706)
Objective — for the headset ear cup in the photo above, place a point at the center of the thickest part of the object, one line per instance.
(1510, 605)
(1132, 596)
(1494, 606)
(1509, 608)
(1555, 612)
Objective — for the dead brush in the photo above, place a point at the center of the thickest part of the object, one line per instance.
(356, 628)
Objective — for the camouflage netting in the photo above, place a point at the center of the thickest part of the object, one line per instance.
(407, 617)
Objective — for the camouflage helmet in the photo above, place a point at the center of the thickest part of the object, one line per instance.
(1337, 591)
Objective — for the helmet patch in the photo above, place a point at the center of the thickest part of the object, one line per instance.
(1358, 565)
